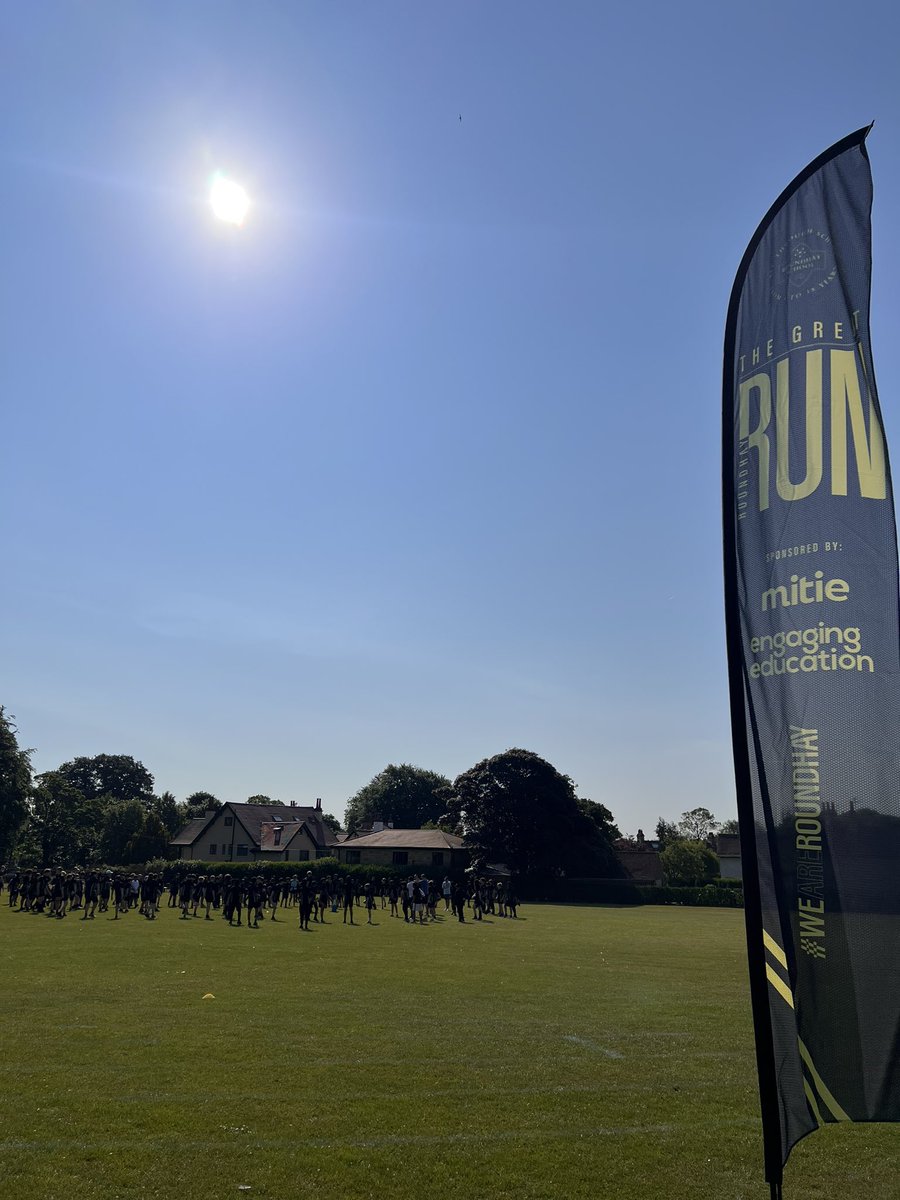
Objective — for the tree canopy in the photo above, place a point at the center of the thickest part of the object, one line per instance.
(687, 862)
(697, 825)
(518, 809)
(15, 784)
(116, 776)
(405, 795)
(199, 803)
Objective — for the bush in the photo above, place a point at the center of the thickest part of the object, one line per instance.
(708, 896)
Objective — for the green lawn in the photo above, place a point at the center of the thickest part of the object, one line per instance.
(577, 1052)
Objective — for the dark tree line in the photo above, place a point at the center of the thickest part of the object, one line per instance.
(514, 808)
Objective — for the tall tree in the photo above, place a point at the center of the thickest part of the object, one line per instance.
(666, 832)
(267, 800)
(689, 863)
(63, 826)
(169, 812)
(118, 776)
(122, 820)
(697, 825)
(405, 795)
(150, 841)
(332, 822)
(601, 816)
(15, 784)
(199, 803)
(518, 809)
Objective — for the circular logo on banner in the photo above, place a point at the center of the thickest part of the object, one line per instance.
(803, 266)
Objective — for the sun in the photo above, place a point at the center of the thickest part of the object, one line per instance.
(228, 200)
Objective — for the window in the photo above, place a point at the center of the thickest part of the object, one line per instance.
(241, 850)
(400, 858)
(229, 820)
(324, 854)
(437, 858)
(302, 856)
(278, 833)
(212, 849)
(352, 856)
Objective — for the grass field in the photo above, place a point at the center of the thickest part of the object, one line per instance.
(577, 1052)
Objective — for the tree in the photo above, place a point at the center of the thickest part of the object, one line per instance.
(118, 776)
(697, 825)
(666, 832)
(260, 799)
(150, 841)
(169, 812)
(122, 820)
(730, 826)
(404, 795)
(688, 863)
(518, 809)
(601, 816)
(15, 785)
(199, 803)
(63, 827)
(332, 822)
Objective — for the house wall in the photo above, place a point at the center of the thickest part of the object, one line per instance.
(224, 838)
(730, 867)
(383, 856)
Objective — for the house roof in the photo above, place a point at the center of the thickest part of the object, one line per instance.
(253, 817)
(269, 839)
(643, 866)
(406, 839)
(728, 845)
(191, 832)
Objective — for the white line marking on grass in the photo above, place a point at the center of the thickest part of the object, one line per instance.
(589, 1045)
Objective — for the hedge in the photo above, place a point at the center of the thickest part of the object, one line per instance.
(176, 869)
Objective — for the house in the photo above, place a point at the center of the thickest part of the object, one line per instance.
(257, 832)
(641, 866)
(728, 848)
(387, 847)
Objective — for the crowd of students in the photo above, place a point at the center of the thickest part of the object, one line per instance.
(56, 892)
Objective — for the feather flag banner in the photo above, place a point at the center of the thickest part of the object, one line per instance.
(814, 659)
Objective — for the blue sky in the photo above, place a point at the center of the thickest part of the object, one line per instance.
(423, 462)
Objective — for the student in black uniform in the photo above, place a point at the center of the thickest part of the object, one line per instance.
(348, 898)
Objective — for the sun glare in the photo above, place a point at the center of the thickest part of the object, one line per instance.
(228, 200)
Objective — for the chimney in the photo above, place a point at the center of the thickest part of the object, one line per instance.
(318, 803)
(293, 804)
(390, 825)
(377, 826)
(210, 812)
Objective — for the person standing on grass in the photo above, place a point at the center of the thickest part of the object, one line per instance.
(369, 893)
(185, 891)
(348, 898)
(458, 896)
(447, 890)
(58, 889)
(90, 896)
(120, 895)
(233, 900)
(306, 900)
(393, 896)
(324, 899)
